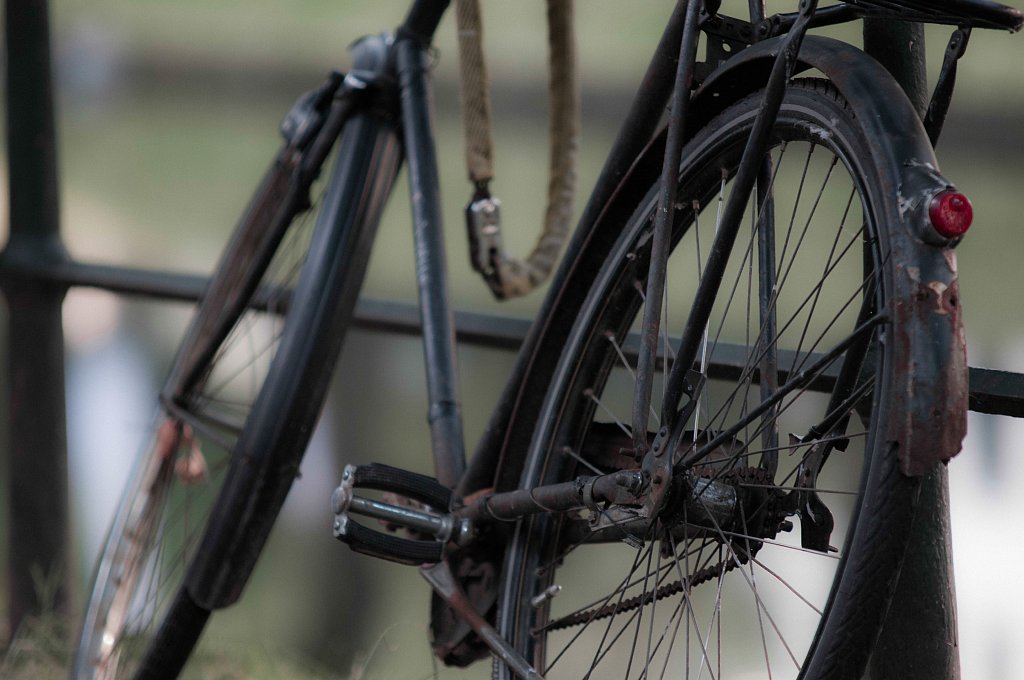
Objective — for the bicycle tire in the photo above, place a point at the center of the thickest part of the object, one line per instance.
(236, 413)
(576, 434)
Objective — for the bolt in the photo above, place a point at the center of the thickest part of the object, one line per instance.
(543, 597)
(632, 541)
(630, 482)
(465, 532)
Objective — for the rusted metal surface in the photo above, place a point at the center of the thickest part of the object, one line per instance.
(620, 488)
(661, 244)
(932, 337)
(780, 63)
(440, 577)
(929, 383)
(918, 636)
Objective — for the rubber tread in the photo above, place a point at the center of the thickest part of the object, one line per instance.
(321, 307)
(169, 650)
(412, 484)
(872, 573)
(391, 548)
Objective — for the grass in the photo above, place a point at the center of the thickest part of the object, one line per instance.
(42, 649)
(39, 650)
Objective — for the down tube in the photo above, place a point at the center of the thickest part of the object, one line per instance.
(367, 162)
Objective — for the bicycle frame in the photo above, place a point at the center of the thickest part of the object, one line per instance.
(773, 61)
(637, 133)
(393, 72)
(411, 41)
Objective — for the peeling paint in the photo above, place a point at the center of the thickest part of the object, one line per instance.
(819, 132)
(940, 289)
(914, 163)
(903, 203)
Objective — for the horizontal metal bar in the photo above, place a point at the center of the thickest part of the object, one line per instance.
(437, 526)
(999, 393)
(991, 391)
(486, 330)
(124, 280)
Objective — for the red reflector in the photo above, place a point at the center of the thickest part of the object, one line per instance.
(951, 214)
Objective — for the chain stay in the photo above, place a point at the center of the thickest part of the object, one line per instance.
(741, 553)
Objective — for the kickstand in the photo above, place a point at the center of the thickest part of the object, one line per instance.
(439, 576)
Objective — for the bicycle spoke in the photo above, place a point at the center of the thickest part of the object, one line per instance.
(760, 619)
(589, 394)
(786, 583)
(783, 325)
(760, 603)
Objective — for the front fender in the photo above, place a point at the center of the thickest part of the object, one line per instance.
(929, 382)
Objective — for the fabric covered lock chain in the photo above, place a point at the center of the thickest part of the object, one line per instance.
(506, 276)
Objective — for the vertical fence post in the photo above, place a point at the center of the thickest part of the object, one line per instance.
(37, 493)
(919, 637)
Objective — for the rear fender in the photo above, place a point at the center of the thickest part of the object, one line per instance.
(929, 383)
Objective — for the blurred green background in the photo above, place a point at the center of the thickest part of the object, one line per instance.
(167, 112)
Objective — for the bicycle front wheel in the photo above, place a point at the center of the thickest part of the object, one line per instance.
(782, 536)
(236, 412)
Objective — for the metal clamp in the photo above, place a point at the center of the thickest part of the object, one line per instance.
(307, 115)
(483, 223)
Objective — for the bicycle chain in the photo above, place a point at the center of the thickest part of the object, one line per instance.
(737, 476)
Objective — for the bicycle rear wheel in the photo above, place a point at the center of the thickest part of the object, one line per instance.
(236, 412)
(784, 531)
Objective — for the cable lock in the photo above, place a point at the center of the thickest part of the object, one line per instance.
(506, 276)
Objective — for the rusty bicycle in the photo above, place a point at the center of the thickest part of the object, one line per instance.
(705, 459)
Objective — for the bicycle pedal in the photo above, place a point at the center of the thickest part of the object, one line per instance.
(400, 507)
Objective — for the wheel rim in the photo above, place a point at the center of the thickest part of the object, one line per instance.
(715, 602)
(174, 486)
